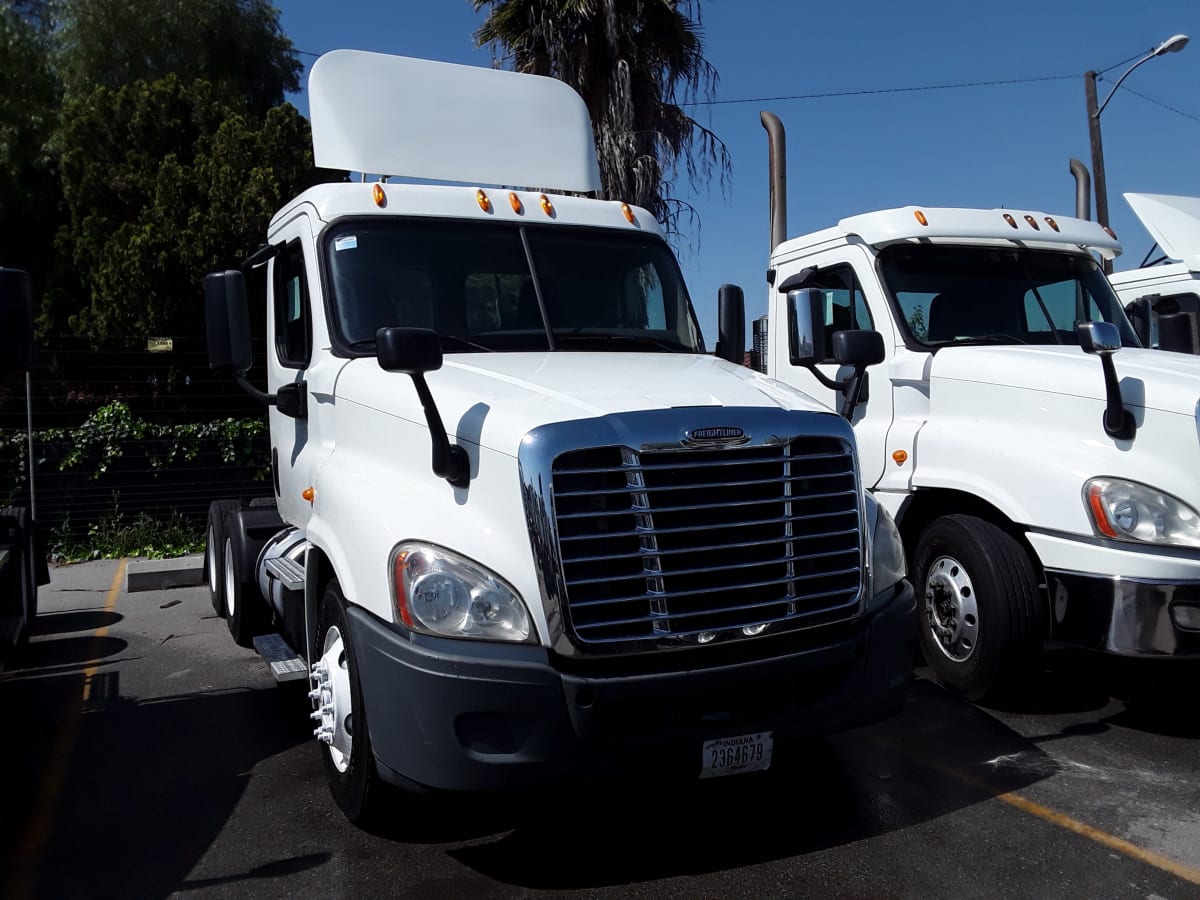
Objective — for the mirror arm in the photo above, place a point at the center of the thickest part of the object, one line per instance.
(261, 397)
(1118, 421)
(450, 461)
(831, 383)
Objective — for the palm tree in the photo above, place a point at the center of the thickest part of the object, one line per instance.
(635, 63)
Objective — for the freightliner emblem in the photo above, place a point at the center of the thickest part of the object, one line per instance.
(717, 436)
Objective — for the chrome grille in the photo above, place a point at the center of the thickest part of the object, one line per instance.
(672, 543)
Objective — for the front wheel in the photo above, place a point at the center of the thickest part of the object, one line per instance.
(982, 618)
(341, 715)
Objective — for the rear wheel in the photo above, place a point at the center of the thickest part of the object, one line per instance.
(982, 619)
(245, 609)
(214, 552)
(341, 716)
(21, 604)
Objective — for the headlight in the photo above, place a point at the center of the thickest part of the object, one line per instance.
(441, 593)
(888, 565)
(1129, 511)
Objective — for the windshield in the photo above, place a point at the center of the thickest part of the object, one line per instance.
(988, 295)
(474, 284)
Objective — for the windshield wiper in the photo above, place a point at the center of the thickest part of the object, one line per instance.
(461, 343)
(995, 338)
(636, 340)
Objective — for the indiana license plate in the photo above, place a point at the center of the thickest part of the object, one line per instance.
(734, 755)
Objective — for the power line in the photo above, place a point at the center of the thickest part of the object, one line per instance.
(894, 90)
(1164, 105)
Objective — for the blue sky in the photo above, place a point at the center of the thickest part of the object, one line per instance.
(1001, 145)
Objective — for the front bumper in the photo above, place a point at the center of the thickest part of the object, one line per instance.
(461, 716)
(1127, 616)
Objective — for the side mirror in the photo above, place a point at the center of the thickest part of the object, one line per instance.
(413, 352)
(16, 320)
(1140, 312)
(858, 348)
(227, 321)
(731, 324)
(806, 326)
(1103, 339)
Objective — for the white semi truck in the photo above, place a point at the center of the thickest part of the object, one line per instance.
(1041, 465)
(1162, 296)
(527, 528)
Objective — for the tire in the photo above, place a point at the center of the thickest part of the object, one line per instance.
(214, 552)
(342, 729)
(246, 612)
(981, 616)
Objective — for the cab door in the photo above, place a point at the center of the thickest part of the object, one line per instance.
(289, 355)
(847, 305)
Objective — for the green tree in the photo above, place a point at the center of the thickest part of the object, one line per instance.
(235, 45)
(634, 62)
(163, 182)
(30, 212)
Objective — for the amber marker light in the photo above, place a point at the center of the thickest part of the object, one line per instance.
(482, 199)
(378, 195)
(398, 580)
(900, 457)
(1100, 511)
(308, 494)
(515, 202)
(1010, 220)
(547, 206)
(628, 214)
(1032, 221)
(1051, 223)
(920, 217)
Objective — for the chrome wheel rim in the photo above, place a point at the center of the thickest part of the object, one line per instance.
(230, 575)
(214, 580)
(333, 710)
(951, 610)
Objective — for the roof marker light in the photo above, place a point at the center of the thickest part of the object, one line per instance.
(920, 217)
(308, 493)
(378, 195)
(547, 206)
(1051, 223)
(1032, 221)
(900, 457)
(482, 199)
(1010, 220)
(628, 214)
(515, 202)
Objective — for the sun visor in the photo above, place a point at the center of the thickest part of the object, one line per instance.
(1174, 222)
(419, 119)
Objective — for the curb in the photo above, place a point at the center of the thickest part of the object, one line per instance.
(164, 574)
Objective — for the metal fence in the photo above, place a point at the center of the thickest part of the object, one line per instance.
(162, 382)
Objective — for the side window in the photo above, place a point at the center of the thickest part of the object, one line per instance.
(293, 319)
(845, 306)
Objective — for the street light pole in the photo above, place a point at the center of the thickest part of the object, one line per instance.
(1173, 44)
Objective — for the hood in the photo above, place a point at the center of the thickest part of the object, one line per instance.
(1174, 222)
(495, 399)
(1153, 379)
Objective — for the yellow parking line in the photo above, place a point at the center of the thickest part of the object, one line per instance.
(38, 831)
(1054, 817)
(1178, 869)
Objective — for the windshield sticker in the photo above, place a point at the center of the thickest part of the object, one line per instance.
(349, 242)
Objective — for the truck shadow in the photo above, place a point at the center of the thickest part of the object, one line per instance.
(76, 620)
(158, 779)
(1141, 694)
(939, 755)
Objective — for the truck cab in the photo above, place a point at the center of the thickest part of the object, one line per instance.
(527, 527)
(1162, 296)
(1039, 462)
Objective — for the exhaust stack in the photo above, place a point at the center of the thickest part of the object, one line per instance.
(778, 176)
(1083, 190)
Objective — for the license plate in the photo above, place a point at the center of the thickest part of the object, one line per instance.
(734, 755)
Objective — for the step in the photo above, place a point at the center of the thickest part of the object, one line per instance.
(289, 573)
(285, 664)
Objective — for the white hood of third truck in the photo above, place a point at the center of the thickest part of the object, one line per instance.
(1022, 427)
(495, 399)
